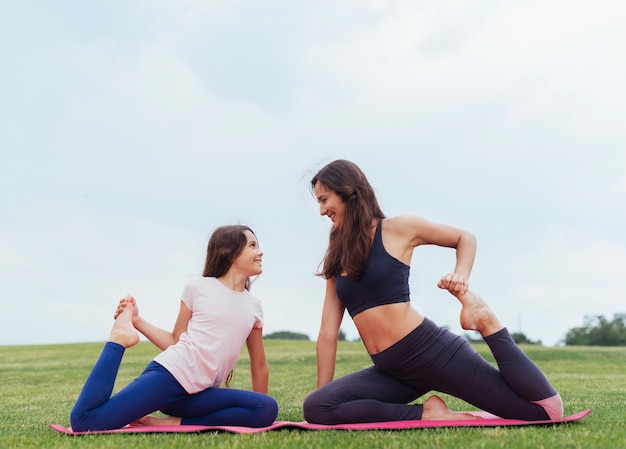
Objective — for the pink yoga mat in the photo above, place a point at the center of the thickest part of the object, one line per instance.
(488, 420)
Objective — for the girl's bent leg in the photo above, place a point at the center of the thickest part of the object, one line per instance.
(99, 384)
(95, 410)
(225, 407)
(368, 395)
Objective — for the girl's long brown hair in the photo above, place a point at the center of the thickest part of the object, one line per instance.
(349, 245)
(225, 244)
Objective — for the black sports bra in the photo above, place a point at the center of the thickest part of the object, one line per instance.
(385, 280)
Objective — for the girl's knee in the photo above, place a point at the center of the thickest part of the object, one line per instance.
(271, 410)
(267, 411)
(79, 422)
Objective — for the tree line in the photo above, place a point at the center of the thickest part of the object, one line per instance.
(599, 331)
(595, 331)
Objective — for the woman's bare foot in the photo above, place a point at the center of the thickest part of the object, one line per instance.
(150, 420)
(477, 316)
(123, 331)
(435, 409)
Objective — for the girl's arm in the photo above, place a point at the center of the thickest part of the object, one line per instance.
(159, 337)
(326, 347)
(258, 361)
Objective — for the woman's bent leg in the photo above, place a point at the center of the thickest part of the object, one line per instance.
(434, 358)
(368, 395)
(523, 375)
(515, 367)
(470, 377)
(225, 407)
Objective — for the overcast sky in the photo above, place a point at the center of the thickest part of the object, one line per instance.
(129, 130)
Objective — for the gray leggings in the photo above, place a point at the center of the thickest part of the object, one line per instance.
(433, 358)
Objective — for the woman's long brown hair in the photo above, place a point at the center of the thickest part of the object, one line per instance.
(349, 245)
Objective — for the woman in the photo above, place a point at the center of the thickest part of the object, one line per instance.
(366, 268)
(217, 315)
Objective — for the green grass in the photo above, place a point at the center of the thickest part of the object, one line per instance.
(40, 383)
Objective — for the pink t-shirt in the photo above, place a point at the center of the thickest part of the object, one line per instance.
(221, 320)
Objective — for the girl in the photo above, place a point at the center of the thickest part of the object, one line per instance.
(366, 268)
(217, 315)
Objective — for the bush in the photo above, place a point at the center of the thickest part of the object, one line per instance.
(286, 335)
(599, 331)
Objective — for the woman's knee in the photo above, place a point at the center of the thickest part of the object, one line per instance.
(313, 407)
(553, 406)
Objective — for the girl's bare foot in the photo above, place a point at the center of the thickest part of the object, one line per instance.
(435, 409)
(477, 316)
(150, 420)
(123, 331)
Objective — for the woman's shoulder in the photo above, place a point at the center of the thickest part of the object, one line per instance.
(404, 229)
(402, 223)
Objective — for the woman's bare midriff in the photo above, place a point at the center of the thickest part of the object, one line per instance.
(381, 327)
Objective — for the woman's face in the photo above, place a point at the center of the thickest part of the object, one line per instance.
(250, 259)
(331, 204)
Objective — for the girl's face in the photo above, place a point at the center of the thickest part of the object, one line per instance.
(249, 261)
(331, 204)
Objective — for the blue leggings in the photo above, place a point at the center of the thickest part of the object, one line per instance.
(156, 389)
(433, 358)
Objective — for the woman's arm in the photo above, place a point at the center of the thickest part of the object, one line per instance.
(418, 231)
(159, 337)
(258, 361)
(326, 348)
